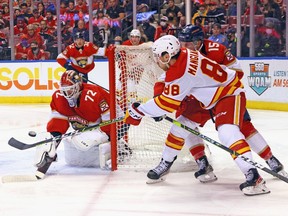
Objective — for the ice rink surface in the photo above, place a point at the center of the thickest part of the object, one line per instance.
(70, 191)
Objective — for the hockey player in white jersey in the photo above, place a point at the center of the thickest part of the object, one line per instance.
(216, 87)
(193, 115)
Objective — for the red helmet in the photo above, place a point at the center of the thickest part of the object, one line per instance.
(71, 86)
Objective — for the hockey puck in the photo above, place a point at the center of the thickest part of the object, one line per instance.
(32, 133)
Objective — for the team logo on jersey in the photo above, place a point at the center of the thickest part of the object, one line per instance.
(104, 106)
(77, 122)
(259, 79)
(82, 63)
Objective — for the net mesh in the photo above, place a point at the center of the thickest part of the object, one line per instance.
(141, 147)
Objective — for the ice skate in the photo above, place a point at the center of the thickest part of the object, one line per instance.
(205, 173)
(276, 166)
(254, 184)
(158, 174)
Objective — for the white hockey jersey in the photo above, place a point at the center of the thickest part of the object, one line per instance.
(197, 75)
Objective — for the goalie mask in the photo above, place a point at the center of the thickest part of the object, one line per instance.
(71, 86)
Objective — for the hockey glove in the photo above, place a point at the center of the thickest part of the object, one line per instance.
(158, 119)
(133, 115)
(45, 153)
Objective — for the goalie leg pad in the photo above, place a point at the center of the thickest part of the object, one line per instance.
(86, 140)
(105, 155)
(75, 157)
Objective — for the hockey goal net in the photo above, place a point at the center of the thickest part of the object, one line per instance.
(132, 74)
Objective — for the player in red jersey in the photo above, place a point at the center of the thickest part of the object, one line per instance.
(78, 105)
(134, 39)
(81, 54)
(189, 72)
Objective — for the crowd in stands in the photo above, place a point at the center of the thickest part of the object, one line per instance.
(35, 24)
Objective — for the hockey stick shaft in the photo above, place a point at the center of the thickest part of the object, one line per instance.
(232, 152)
(22, 146)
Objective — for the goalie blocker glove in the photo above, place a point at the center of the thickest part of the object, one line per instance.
(46, 153)
(133, 115)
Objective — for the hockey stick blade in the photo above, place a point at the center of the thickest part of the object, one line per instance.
(232, 152)
(23, 178)
(18, 178)
(23, 146)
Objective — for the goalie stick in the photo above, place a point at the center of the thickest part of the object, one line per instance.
(255, 164)
(41, 171)
(23, 146)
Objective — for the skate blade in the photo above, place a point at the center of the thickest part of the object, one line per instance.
(207, 178)
(155, 181)
(256, 190)
(283, 173)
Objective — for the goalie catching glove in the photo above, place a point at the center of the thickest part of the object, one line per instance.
(133, 115)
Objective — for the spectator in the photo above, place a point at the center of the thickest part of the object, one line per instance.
(41, 9)
(80, 27)
(32, 35)
(232, 8)
(117, 40)
(50, 41)
(269, 41)
(35, 53)
(217, 36)
(232, 41)
(163, 28)
(3, 21)
(71, 13)
(6, 12)
(21, 27)
(30, 6)
(148, 31)
(172, 20)
(36, 18)
(4, 46)
(21, 49)
(115, 14)
(270, 9)
(217, 13)
(66, 34)
(25, 13)
(51, 20)
(17, 13)
(199, 16)
(142, 8)
(247, 8)
(101, 21)
(182, 22)
(81, 6)
(100, 7)
(172, 8)
(63, 7)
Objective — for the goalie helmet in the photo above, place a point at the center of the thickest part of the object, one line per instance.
(191, 33)
(71, 86)
(165, 44)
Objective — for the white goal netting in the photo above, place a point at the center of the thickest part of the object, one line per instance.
(136, 73)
